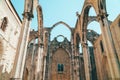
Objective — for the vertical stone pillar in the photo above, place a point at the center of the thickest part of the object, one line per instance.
(38, 74)
(72, 63)
(76, 68)
(76, 64)
(30, 77)
(86, 57)
(44, 67)
(113, 62)
(46, 36)
(40, 62)
(49, 59)
(23, 40)
(99, 67)
(72, 57)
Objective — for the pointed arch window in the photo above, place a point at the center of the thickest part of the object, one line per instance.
(4, 23)
(101, 45)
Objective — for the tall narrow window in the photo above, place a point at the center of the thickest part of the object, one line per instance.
(60, 68)
(119, 23)
(4, 23)
(101, 45)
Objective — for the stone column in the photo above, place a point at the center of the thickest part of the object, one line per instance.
(86, 57)
(113, 62)
(38, 73)
(72, 57)
(30, 77)
(76, 63)
(40, 62)
(98, 63)
(46, 36)
(44, 67)
(72, 63)
(49, 59)
(23, 40)
(76, 68)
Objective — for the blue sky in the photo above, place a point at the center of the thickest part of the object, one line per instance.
(65, 10)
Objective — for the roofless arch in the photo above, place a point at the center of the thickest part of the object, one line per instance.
(85, 14)
(60, 28)
(100, 11)
(61, 22)
(85, 19)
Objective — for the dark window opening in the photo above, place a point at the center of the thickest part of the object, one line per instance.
(101, 45)
(60, 67)
(4, 23)
(119, 23)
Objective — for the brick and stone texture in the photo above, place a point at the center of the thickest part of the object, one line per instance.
(60, 57)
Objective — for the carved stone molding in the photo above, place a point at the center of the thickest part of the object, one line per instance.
(54, 45)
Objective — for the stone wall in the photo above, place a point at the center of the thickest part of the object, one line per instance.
(60, 57)
(8, 38)
(115, 31)
(101, 60)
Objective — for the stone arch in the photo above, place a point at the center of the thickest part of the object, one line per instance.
(64, 26)
(100, 9)
(61, 36)
(39, 16)
(62, 44)
(85, 20)
(33, 35)
(61, 22)
(94, 18)
(91, 19)
(66, 50)
(85, 13)
(62, 47)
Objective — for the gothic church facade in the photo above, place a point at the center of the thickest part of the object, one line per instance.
(31, 55)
